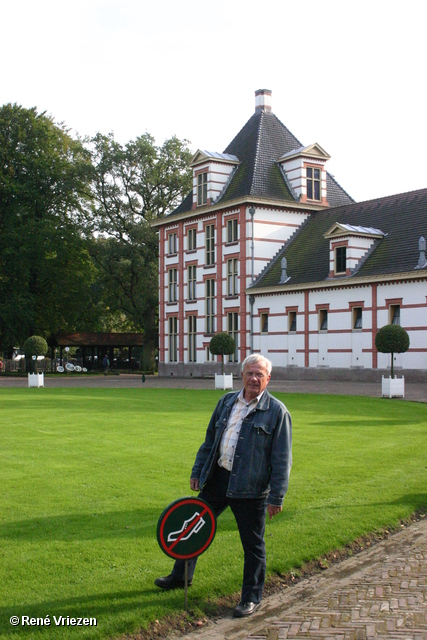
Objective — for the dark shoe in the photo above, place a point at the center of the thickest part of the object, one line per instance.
(170, 582)
(245, 609)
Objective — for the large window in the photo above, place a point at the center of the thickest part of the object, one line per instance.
(210, 245)
(341, 260)
(191, 274)
(172, 243)
(210, 305)
(191, 239)
(202, 188)
(233, 330)
(192, 338)
(173, 339)
(232, 230)
(173, 285)
(232, 276)
(313, 183)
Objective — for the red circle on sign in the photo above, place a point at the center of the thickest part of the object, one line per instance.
(170, 512)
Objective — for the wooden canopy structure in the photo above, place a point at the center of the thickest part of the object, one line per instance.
(94, 346)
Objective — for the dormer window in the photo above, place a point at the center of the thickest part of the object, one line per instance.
(313, 183)
(348, 245)
(212, 172)
(340, 260)
(305, 173)
(202, 188)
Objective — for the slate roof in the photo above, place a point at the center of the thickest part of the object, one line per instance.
(258, 146)
(402, 217)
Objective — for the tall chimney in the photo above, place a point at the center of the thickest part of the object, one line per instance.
(263, 100)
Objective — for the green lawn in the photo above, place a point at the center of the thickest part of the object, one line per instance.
(85, 475)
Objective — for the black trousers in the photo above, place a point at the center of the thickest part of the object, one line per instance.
(250, 518)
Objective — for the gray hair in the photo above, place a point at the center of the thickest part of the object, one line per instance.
(255, 358)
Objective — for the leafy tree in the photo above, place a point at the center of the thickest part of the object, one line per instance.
(34, 346)
(392, 338)
(133, 185)
(222, 344)
(46, 272)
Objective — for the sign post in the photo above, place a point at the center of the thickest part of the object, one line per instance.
(185, 530)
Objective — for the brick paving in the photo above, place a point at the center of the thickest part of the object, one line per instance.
(378, 593)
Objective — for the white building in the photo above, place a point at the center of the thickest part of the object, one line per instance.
(268, 247)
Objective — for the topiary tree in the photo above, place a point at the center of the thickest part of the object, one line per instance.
(392, 338)
(34, 346)
(222, 344)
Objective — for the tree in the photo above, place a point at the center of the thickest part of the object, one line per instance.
(33, 347)
(392, 338)
(222, 344)
(133, 185)
(46, 272)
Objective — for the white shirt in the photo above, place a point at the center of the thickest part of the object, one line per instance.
(230, 436)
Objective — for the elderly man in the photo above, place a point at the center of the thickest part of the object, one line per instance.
(244, 463)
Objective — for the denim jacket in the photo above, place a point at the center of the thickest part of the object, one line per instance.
(263, 455)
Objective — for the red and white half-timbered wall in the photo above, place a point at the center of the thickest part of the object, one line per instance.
(335, 326)
(187, 277)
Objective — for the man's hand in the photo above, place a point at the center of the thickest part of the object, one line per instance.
(272, 510)
(194, 484)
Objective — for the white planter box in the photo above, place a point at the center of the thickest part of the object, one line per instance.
(223, 381)
(393, 387)
(36, 379)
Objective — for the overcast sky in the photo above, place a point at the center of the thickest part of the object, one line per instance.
(348, 75)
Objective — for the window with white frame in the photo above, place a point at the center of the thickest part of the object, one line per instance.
(173, 339)
(209, 357)
(394, 314)
(232, 230)
(192, 338)
(323, 319)
(264, 322)
(232, 276)
(192, 279)
(172, 243)
(191, 239)
(233, 330)
(202, 188)
(210, 305)
(173, 285)
(210, 245)
(340, 260)
(292, 321)
(313, 183)
(357, 317)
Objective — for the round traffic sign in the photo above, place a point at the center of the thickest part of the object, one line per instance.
(186, 528)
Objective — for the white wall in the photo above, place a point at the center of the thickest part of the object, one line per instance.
(342, 346)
